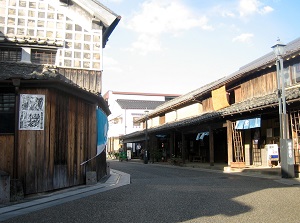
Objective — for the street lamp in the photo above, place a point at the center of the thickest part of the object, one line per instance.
(286, 148)
(146, 139)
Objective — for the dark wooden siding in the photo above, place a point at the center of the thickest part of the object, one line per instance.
(86, 79)
(256, 87)
(50, 159)
(207, 105)
(259, 86)
(7, 153)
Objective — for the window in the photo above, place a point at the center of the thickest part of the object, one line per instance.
(10, 54)
(135, 123)
(7, 112)
(295, 69)
(43, 57)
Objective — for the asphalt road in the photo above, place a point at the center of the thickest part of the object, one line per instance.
(160, 193)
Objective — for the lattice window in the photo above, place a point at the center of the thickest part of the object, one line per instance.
(10, 54)
(295, 121)
(7, 112)
(43, 57)
(135, 123)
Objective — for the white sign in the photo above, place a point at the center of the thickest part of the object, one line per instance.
(32, 112)
(272, 151)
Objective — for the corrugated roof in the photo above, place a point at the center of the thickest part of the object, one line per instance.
(138, 104)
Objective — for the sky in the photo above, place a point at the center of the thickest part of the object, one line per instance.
(177, 46)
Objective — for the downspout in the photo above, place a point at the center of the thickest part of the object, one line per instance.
(16, 83)
(125, 122)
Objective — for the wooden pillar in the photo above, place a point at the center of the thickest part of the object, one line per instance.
(153, 148)
(15, 174)
(211, 147)
(172, 139)
(229, 142)
(183, 147)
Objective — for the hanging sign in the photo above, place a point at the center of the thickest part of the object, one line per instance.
(248, 123)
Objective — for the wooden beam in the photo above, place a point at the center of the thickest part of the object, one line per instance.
(211, 147)
(229, 142)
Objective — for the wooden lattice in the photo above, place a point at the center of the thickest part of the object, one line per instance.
(256, 155)
(237, 144)
(295, 123)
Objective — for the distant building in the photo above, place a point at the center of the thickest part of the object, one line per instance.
(126, 108)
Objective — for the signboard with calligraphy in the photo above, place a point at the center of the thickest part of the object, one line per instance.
(32, 112)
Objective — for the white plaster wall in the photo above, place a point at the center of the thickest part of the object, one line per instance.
(155, 121)
(189, 111)
(171, 116)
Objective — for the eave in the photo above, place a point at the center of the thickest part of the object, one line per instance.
(257, 104)
(42, 76)
(264, 62)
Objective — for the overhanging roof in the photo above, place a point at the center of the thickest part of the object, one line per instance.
(138, 104)
(254, 104)
(42, 76)
(107, 17)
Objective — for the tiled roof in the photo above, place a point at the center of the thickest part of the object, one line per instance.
(42, 73)
(253, 104)
(267, 60)
(27, 71)
(31, 41)
(138, 104)
(9, 70)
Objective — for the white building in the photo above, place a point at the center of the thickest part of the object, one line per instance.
(126, 107)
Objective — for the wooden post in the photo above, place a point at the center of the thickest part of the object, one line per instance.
(211, 147)
(183, 147)
(16, 83)
(172, 144)
(229, 142)
(153, 147)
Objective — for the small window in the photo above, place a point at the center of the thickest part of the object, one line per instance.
(10, 54)
(7, 112)
(296, 73)
(43, 57)
(135, 123)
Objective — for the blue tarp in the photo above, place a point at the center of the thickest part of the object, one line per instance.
(248, 123)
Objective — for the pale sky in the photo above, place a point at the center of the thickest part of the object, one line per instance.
(177, 46)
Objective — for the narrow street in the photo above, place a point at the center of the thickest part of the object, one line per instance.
(159, 193)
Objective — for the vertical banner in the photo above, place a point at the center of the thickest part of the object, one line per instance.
(32, 112)
(102, 129)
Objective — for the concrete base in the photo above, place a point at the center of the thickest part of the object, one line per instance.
(91, 177)
(16, 190)
(237, 164)
(4, 187)
(107, 169)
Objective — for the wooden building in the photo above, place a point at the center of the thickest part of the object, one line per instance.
(232, 120)
(50, 89)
